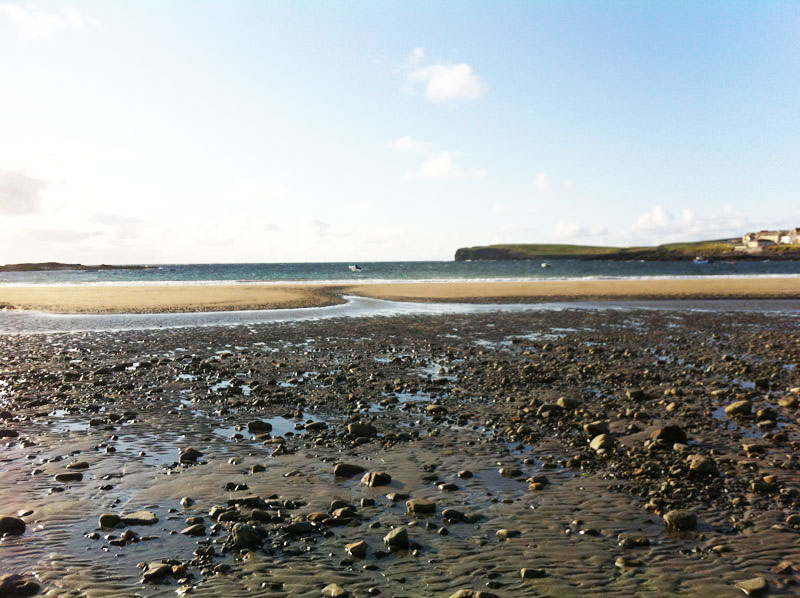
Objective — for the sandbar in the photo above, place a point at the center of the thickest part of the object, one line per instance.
(225, 297)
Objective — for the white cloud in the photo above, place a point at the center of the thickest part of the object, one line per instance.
(499, 207)
(658, 225)
(19, 193)
(541, 183)
(441, 166)
(37, 23)
(443, 82)
(570, 230)
(407, 144)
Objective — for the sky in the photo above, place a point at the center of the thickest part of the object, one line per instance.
(153, 131)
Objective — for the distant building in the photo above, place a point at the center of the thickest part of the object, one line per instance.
(754, 242)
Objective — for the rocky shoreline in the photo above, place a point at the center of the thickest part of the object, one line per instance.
(562, 453)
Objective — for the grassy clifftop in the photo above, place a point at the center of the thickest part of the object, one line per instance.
(717, 248)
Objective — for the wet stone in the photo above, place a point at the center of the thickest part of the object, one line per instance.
(357, 549)
(139, 518)
(681, 520)
(335, 591)
(17, 586)
(346, 470)
(420, 506)
(376, 478)
(397, 538)
(156, 572)
(109, 520)
(744, 407)
(12, 525)
(753, 587)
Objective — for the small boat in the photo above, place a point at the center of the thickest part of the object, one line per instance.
(355, 268)
(700, 260)
(545, 265)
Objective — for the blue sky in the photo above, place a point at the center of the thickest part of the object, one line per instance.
(199, 131)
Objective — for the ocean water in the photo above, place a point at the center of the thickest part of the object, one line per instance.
(403, 271)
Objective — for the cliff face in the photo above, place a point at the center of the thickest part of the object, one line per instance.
(485, 253)
(47, 266)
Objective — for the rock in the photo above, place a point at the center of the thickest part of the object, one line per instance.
(567, 402)
(245, 536)
(357, 549)
(109, 520)
(632, 540)
(793, 521)
(156, 572)
(753, 587)
(139, 518)
(72, 476)
(78, 465)
(473, 594)
(376, 478)
(189, 455)
(6, 433)
(681, 519)
(362, 430)
(17, 586)
(300, 528)
(198, 529)
(259, 427)
(453, 515)
(739, 408)
(532, 573)
(783, 568)
(505, 534)
(335, 591)
(637, 394)
(596, 428)
(702, 465)
(397, 538)
(316, 426)
(420, 506)
(13, 526)
(465, 474)
(602, 442)
(671, 434)
(510, 472)
(346, 470)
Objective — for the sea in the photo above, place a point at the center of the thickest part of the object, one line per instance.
(339, 272)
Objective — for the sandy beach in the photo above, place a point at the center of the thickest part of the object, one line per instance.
(193, 298)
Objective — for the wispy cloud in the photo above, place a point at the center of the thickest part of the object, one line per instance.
(437, 166)
(38, 23)
(659, 224)
(20, 193)
(443, 82)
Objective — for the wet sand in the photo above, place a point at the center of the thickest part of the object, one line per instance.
(193, 298)
(514, 399)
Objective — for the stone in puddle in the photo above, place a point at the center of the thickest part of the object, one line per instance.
(109, 520)
(73, 476)
(12, 525)
(335, 591)
(78, 465)
(753, 587)
(198, 529)
(505, 534)
(376, 478)
(259, 427)
(510, 472)
(139, 518)
(357, 549)
(739, 408)
(17, 586)
(397, 538)
(420, 506)
(473, 594)
(156, 572)
(346, 470)
(189, 455)
(681, 519)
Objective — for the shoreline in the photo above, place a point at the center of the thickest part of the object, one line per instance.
(122, 299)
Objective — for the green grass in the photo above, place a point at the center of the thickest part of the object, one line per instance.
(554, 249)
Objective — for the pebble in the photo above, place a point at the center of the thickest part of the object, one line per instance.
(12, 525)
(753, 587)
